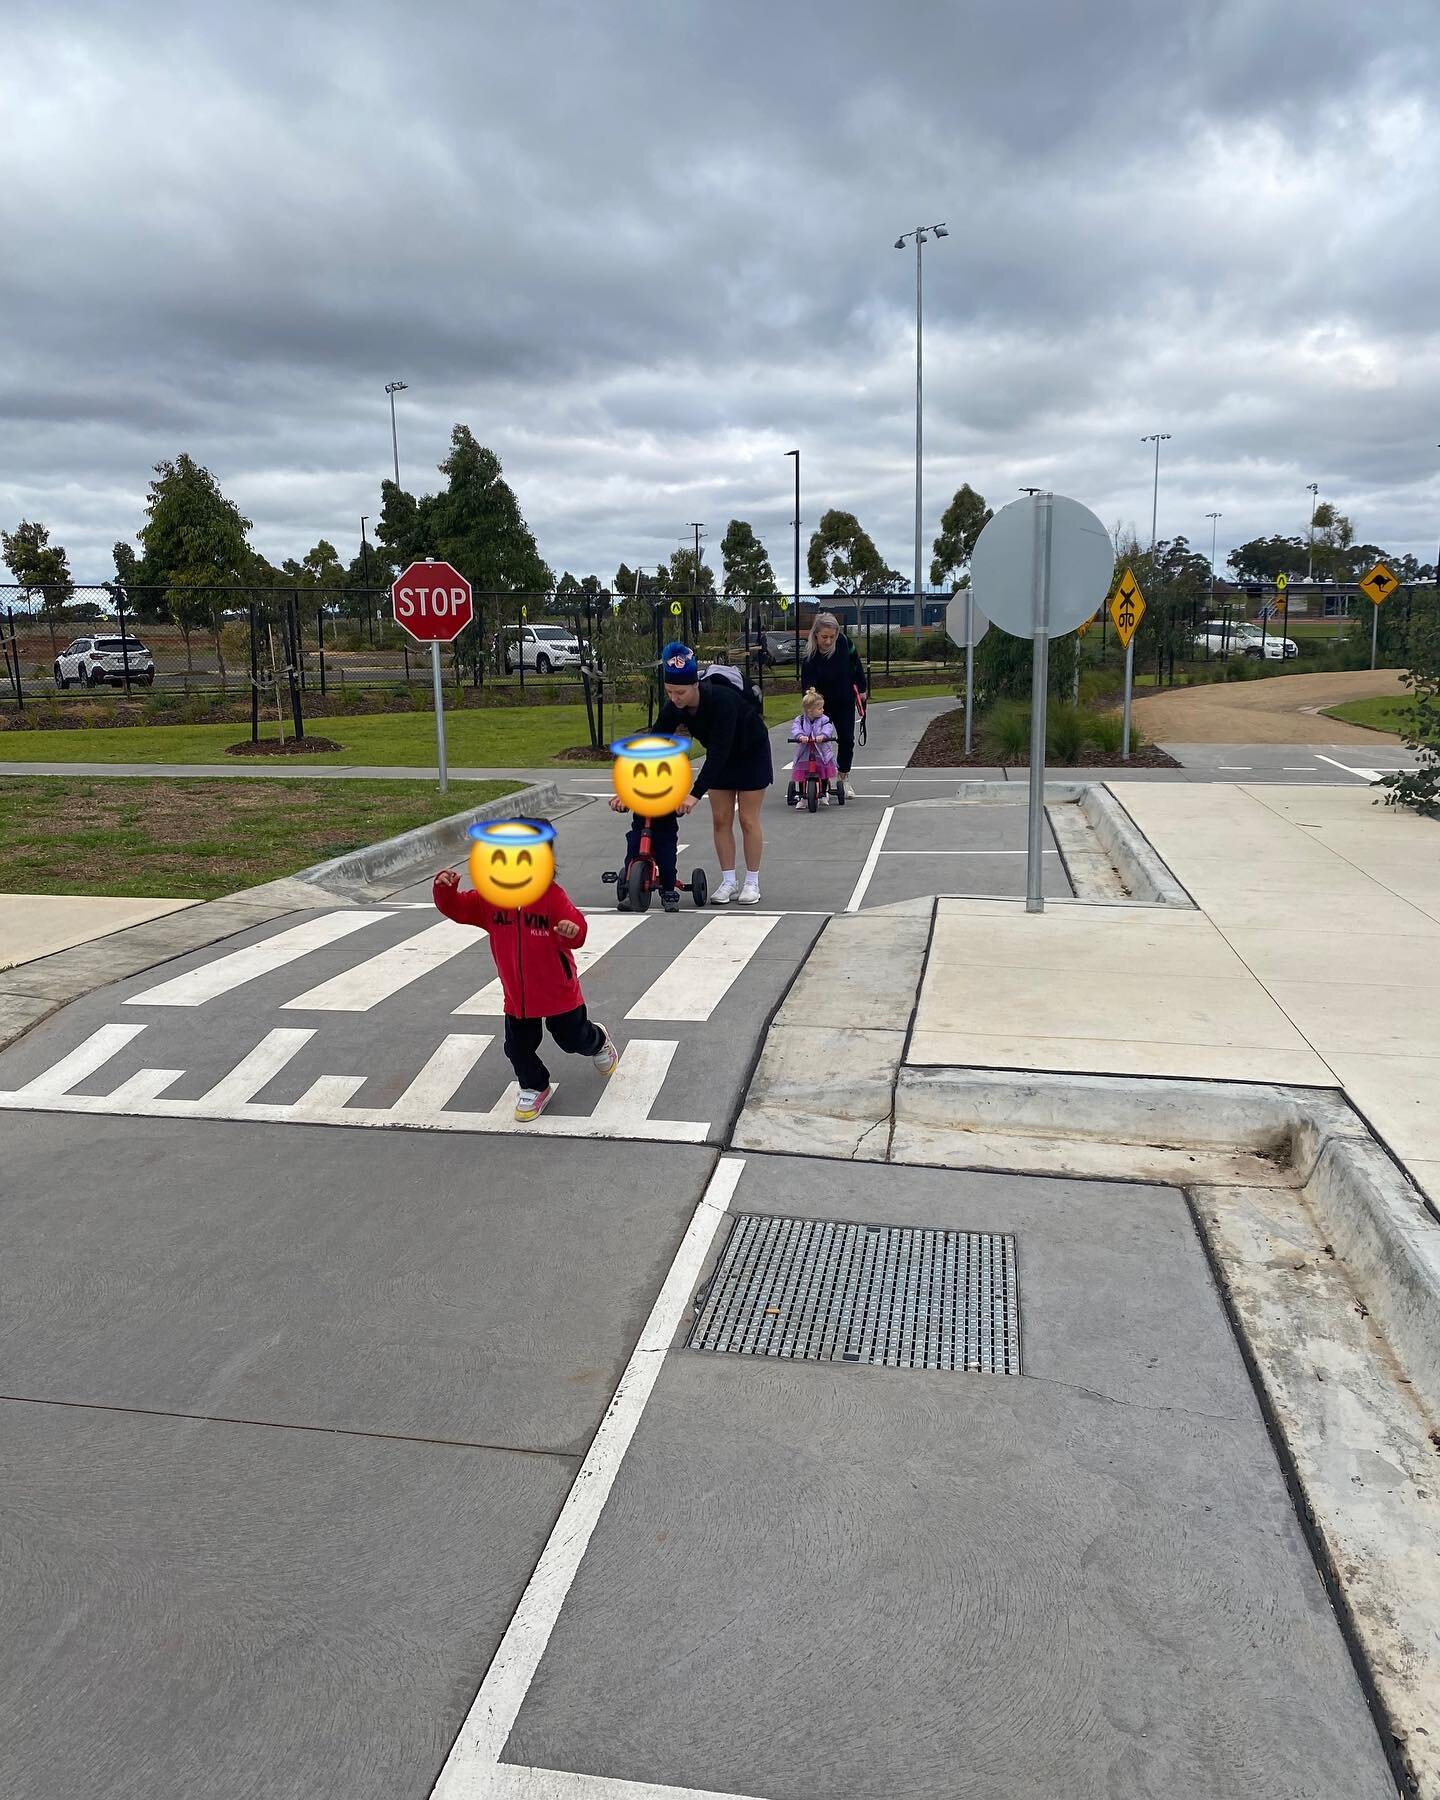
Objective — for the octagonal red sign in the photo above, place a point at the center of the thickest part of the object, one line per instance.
(432, 602)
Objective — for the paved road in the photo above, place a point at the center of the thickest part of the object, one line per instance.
(305, 1346)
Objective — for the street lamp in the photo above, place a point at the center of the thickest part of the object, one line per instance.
(392, 388)
(795, 602)
(1313, 490)
(1214, 519)
(369, 610)
(697, 526)
(1157, 438)
(920, 234)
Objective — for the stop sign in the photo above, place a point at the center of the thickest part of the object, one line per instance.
(432, 602)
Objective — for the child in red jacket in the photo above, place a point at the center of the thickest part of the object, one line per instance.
(539, 980)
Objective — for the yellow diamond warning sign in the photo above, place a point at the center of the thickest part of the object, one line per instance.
(1127, 608)
(1379, 585)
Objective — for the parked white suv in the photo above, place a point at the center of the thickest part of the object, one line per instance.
(94, 661)
(544, 647)
(1239, 639)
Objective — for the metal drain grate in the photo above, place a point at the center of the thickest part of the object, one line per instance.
(903, 1297)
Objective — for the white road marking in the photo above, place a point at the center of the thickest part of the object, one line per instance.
(255, 960)
(473, 1768)
(603, 931)
(698, 979)
(1299, 769)
(1361, 774)
(378, 977)
(513, 1781)
(258, 1069)
(1235, 768)
(622, 1111)
(963, 853)
(81, 1062)
(871, 861)
(439, 1081)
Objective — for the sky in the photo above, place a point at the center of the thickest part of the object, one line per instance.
(643, 250)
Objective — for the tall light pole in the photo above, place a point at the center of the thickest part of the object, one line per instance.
(796, 522)
(369, 610)
(697, 526)
(1313, 490)
(1214, 519)
(392, 388)
(919, 234)
(1157, 438)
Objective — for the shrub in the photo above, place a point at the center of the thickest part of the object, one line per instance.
(935, 646)
(1005, 732)
(1064, 732)
(1106, 732)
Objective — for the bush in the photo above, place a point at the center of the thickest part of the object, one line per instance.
(1106, 732)
(935, 646)
(1005, 732)
(1064, 732)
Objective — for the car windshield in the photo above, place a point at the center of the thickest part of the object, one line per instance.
(118, 644)
(553, 632)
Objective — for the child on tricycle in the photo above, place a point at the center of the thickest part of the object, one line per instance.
(814, 772)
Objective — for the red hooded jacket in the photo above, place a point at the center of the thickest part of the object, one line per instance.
(537, 971)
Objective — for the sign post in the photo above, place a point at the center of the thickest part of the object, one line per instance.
(1127, 609)
(432, 602)
(1040, 568)
(1282, 582)
(966, 631)
(1377, 587)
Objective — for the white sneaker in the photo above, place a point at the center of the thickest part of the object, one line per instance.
(531, 1102)
(750, 893)
(724, 894)
(607, 1056)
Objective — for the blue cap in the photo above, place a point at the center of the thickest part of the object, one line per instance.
(677, 664)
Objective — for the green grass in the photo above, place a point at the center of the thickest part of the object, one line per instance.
(1389, 714)
(195, 839)
(505, 737)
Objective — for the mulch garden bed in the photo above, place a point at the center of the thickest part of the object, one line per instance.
(306, 746)
(943, 747)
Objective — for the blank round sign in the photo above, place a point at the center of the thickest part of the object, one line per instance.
(1082, 564)
(955, 621)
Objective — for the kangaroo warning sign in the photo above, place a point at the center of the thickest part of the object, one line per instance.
(432, 602)
(1127, 608)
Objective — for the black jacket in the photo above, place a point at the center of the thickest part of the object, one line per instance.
(836, 677)
(729, 726)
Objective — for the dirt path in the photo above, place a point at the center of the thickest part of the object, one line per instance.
(1277, 709)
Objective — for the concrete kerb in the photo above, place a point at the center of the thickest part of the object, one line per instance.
(31, 992)
(1126, 848)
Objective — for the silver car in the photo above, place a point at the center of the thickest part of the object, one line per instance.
(93, 662)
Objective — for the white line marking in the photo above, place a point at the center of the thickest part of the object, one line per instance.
(963, 853)
(82, 1061)
(473, 1767)
(146, 1084)
(1235, 768)
(635, 1086)
(240, 966)
(603, 931)
(871, 861)
(258, 1069)
(699, 978)
(439, 1081)
(513, 1781)
(327, 1095)
(379, 976)
(1299, 769)
(1362, 774)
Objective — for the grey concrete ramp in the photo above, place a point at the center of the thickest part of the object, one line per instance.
(1085, 1580)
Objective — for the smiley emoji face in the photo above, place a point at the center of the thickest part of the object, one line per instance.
(512, 861)
(652, 774)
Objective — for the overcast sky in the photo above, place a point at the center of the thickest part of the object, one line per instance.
(644, 249)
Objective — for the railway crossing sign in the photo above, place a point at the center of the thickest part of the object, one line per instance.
(1127, 608)
(1378, 585)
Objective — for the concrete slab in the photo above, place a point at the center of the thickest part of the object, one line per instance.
(1135, 1056)
(34, 925)
(1085, 1580)
(1363, 1015)
(335, 1280)
(1399, 1095)
(197, 1608)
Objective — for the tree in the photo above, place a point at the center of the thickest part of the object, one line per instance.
(843, 554)
(127, 566)
(746, 562)
(1262, 559)
(39, 565)
(195, 544)
(1334, 537)
(961, 523)
(1420, 787)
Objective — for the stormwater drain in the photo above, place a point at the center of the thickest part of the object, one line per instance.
(903, 1297)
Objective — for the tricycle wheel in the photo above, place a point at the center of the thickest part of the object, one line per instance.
(699, 887)
(812, 793)
(840, 792)
(791, 793)
(638, 887)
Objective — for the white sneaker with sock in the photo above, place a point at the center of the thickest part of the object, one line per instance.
(750, 893)
(726, 891)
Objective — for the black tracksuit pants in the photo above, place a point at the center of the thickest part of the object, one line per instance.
(573, 1031)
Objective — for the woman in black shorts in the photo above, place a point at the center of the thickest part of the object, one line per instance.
(737, 767)
(833, 666)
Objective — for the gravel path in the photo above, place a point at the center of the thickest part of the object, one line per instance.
(1277, 709)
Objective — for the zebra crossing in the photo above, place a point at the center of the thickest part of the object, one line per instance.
(198, 1044)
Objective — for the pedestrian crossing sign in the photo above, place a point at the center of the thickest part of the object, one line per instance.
(1378, 585)
(1127, 608)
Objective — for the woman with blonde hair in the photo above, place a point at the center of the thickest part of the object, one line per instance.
(833, 667)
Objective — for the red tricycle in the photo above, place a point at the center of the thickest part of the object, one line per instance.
(639, 878)
(808, 779)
